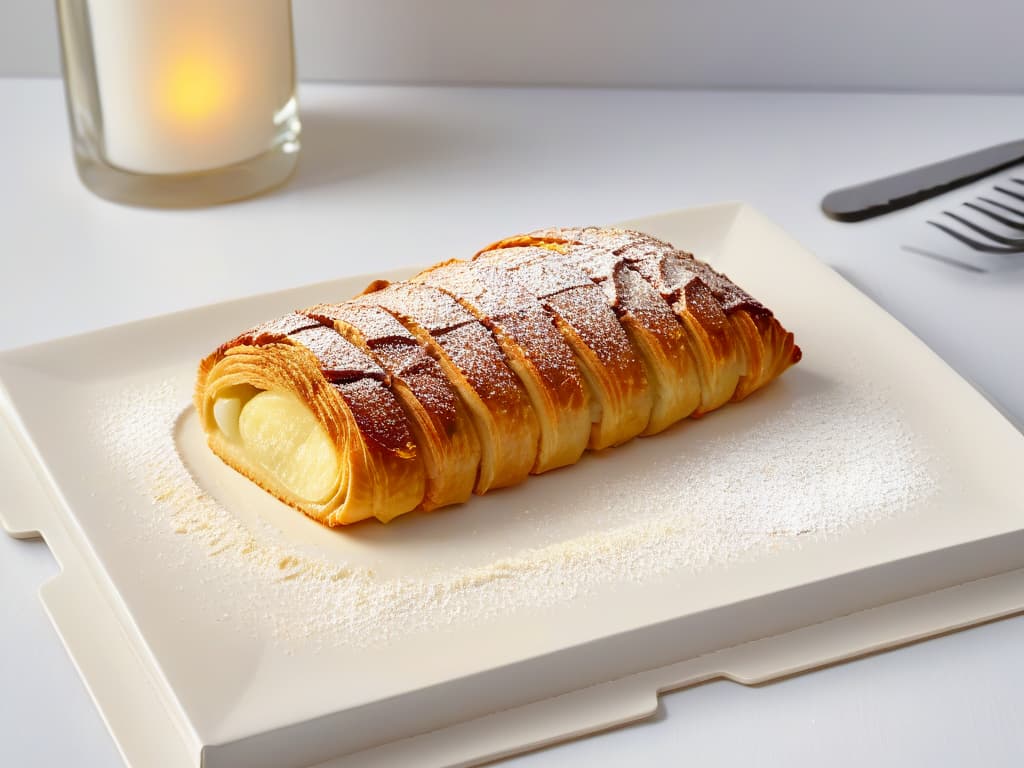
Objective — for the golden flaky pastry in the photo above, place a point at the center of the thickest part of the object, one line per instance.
(474, 374)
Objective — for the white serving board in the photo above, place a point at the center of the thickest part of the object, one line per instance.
(190, 664)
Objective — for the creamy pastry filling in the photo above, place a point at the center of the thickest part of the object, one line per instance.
(279, 433)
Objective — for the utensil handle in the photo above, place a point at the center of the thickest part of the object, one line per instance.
(874, 198)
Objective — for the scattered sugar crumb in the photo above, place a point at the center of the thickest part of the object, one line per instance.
(828, 463)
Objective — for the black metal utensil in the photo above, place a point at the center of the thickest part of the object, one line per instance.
(873, 198)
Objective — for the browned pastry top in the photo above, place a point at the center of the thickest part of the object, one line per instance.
(464, 339)
(502, 301)
(356, 377)
(340, 360)
(270, 331)
(404, 356)
(375, 324)
(604, 249)
(435, 310)
(571, 292)
(378, 414)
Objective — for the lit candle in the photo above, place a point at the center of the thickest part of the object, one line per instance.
(191, 85)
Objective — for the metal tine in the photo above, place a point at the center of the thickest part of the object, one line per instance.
(995, 216)
(1019, 181)
(1016, 242)
(977, 245)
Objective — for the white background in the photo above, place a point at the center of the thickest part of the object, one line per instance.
(389, 176)
(942, 45)
(70, 262)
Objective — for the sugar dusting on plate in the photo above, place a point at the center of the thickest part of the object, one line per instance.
(825, 463)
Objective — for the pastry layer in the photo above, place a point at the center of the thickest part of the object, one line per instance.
(534, 349)
(440, 423)
(613, 372)
(505, 421)
(474, 374)
(379, 472)
(734, 342)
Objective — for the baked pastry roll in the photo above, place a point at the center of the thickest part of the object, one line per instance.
(474, 374)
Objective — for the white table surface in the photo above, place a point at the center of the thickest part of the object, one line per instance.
(457, 168)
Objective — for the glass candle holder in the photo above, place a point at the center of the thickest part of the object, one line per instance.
(178, 103)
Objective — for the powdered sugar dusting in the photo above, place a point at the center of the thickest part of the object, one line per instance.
(501, 300)
(398, 352)
(565, 289)
(823, 464)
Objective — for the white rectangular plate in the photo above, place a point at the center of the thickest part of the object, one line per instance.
(215, 626)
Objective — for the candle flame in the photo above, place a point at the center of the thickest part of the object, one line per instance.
(197, 90)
